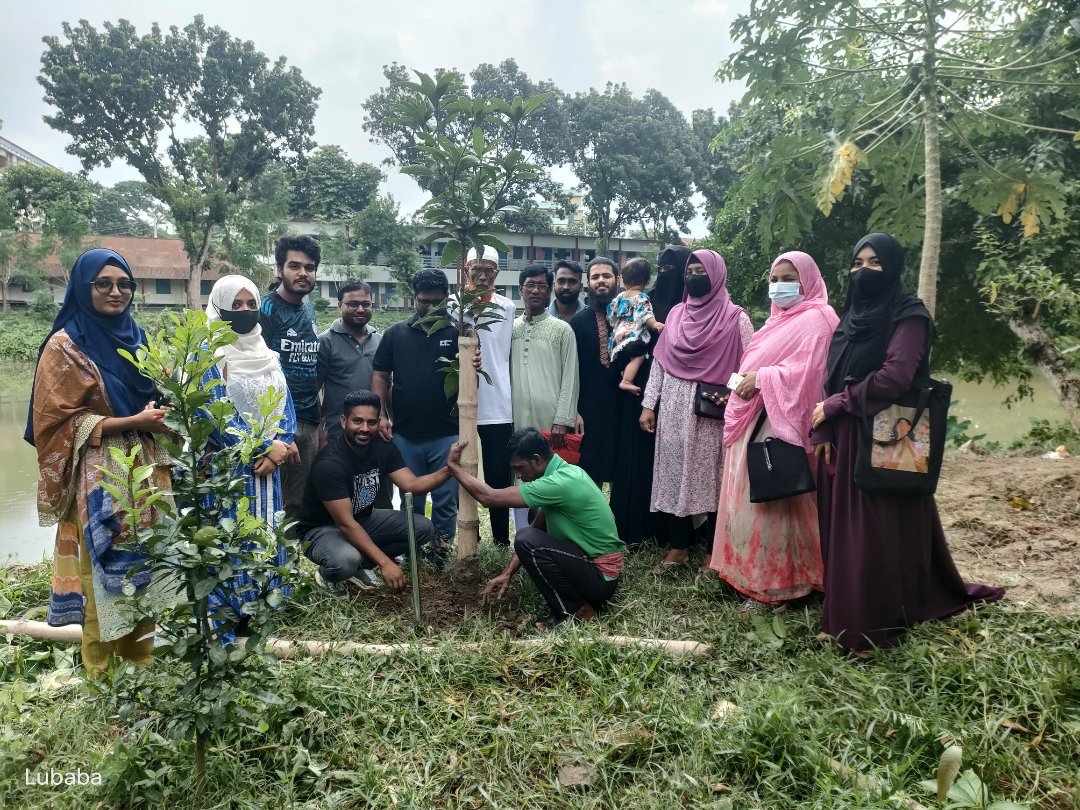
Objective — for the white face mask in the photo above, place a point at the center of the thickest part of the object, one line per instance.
(785, 294)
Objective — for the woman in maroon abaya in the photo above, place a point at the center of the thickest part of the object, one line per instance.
(887, 563)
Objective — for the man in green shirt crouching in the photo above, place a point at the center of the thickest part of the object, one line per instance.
(572, 551)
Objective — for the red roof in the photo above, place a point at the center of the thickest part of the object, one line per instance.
(147, 256)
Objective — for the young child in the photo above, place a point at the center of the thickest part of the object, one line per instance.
(631, 321)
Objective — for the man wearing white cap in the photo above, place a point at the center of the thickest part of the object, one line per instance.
(495, 417)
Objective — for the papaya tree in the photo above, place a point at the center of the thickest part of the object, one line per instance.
(901, 84)
(470, 154)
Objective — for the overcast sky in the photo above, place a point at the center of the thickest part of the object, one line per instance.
(673, 46)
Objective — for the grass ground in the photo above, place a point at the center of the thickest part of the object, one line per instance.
(753, 725)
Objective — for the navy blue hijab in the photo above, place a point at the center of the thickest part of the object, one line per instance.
(100, 336)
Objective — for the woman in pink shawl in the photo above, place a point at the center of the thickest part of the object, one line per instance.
(771, 552)
(702, 342)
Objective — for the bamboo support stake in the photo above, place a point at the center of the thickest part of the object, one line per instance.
(468, 518)
(414, 564)
(287, 648)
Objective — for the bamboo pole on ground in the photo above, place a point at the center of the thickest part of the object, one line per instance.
(289, 648)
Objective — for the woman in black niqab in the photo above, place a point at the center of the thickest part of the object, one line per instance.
(887, 561)
(668, 289)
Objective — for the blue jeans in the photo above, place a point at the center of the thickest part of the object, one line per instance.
(428, 457)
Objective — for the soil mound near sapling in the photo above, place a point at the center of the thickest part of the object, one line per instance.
(449, 599)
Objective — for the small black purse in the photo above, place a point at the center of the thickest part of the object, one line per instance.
(777, 469)
(703, 403)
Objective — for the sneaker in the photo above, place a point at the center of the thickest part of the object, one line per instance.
(436, 551)
(332, 588)
(368, 579)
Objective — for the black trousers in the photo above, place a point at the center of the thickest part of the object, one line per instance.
(338, 559)
(495, 451)
(559, 569)
(679, 532)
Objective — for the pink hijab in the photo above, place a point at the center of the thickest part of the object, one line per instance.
(701, 341)
(789, 354)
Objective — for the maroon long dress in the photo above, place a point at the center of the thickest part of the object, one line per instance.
(887, 563)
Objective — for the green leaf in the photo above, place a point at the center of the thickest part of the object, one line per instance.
(451, 253)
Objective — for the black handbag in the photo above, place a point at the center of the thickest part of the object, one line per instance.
(900, 447)
(703, 403)
(777, 469)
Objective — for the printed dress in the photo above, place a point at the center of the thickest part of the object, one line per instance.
(91, 560)
(689, 448)
(627, 315)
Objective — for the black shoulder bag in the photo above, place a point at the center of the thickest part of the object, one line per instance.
(777, 469)
(900, 448)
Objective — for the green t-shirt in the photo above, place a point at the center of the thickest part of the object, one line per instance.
(574, 508)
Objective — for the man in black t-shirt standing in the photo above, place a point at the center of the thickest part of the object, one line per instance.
(288, 327)
(417, 415)
(342, 532)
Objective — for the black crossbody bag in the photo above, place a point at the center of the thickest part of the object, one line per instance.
(777, 469)
(704, 406)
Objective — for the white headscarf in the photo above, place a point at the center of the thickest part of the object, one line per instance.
(248, 365)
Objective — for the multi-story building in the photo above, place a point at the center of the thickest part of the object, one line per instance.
(12, 154)
(524, 249)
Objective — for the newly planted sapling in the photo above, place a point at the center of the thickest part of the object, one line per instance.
(472, 157)
(201, 539)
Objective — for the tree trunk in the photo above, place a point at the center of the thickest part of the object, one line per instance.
(3, 295)
(1039, 348)
(468, 520)
(194, 285)
(931, 247)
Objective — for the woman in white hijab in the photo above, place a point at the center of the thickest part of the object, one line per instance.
(244, 371)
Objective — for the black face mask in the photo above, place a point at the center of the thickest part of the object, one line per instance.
(240, 321)
(698, 286)
(868, 284)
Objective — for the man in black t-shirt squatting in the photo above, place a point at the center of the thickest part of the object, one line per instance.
(341, 530)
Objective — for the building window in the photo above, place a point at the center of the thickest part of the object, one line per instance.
(333, 290)
(547, 254)
(205, 287)
(519, 252)
(162, 286)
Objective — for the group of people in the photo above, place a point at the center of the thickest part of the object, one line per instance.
(660, 392)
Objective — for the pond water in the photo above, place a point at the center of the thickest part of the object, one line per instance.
(22, 540)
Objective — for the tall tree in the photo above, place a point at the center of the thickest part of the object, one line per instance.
(382, 237)
(128, 209)
(44, 212)
(714, 172)
(329, 187)
(122, 96)
(474, 177)
(915, 77)
(540, 138)
(634, 158)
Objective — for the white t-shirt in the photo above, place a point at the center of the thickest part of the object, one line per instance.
(493, 405)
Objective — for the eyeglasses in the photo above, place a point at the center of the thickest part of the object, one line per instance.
(105, 286)
(357, 305)
(535, 286)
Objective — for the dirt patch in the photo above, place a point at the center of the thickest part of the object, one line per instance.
(1016, 522)
(449, 599)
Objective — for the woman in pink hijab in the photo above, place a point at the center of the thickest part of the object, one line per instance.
(771, 552)
(702, 342)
